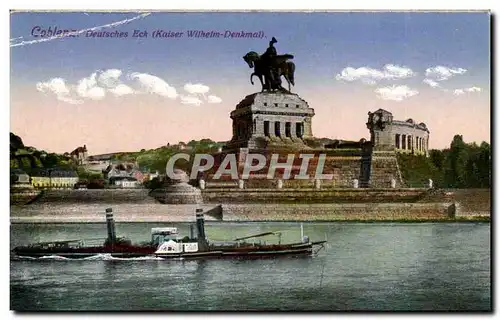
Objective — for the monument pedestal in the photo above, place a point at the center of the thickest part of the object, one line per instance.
(271, 120)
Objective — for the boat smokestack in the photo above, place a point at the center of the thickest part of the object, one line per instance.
(110, 222)
(200, 226)
(191, 231)
(200, 223)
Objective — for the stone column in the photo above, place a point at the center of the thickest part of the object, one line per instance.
(202, 184)
(307, 128)
(259, 130)
(293, 130)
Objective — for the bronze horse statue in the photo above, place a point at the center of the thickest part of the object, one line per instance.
(286, 69)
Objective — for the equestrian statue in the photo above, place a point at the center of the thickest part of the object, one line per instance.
(270, 67)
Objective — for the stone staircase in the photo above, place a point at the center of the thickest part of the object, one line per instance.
(384, 167)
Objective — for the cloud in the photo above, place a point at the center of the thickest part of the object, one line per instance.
(432, 83)
(372, 76)
(441, 73)
(213, 99)
(112, 81)
(473, 89)
(121, 90)
(57, 86)
(395, 93)
(196, 88)
(109, 78)
(459, 92)
(191, 100)
(153, 84)
(78, 32)
(87, 88)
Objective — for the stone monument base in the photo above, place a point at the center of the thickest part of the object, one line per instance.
(271, 120)
(351, 168)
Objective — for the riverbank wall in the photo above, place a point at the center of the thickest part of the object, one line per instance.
(266, 205)
(257, 212)
(94, 196)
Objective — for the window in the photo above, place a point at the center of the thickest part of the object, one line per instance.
(299, 131)
(403, 142)
(298, 106)
(275, 104)
(277, 129)
(288, 129)
(266, 128)
(397, 144)
(409, 143)
(286, 105)
(265, 104)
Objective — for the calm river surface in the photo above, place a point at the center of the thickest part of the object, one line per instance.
(382, 266)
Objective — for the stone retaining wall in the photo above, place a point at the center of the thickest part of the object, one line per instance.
(310, 195)
(97, 195)
(339, 212)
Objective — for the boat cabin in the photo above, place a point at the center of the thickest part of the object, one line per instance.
(161, 235)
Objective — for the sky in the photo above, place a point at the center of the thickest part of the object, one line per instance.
(132, 93)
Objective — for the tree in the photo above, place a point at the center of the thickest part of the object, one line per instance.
(484, 164)
(456, 162)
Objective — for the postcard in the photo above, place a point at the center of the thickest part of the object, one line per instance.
(250, 161)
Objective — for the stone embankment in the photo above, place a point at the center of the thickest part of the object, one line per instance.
(96, 196)
(310, 195)
(339, 212)
(278, 205)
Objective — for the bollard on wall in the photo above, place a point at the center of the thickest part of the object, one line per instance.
(393, 183)
(202, 184)
(241, 184)
(280, 184)
(355, 183)
(317, 184)
(431, 183)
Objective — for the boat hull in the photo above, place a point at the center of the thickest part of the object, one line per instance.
(223, 253)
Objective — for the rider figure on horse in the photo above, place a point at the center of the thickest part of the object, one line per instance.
(270, 60)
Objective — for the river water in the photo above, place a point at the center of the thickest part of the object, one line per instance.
(382, 266)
